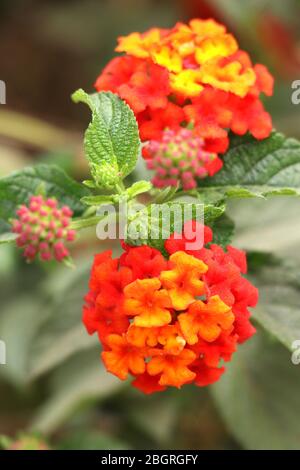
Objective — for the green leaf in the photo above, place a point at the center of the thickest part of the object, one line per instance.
(17, 188)
(157, 416)
(277, 312)
(61, 335)
(89, 184)
(133, 191)
(91, 440)
(97, 200)
(253, 168)
(111, 142)
(73, 388)
(165, 194)
(138, 188)
(28, 313)
(223, 230)
(153, 225)
(267, 225)
(85, 222)
(258, 396)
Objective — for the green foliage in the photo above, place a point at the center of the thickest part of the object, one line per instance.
(111, 141)
(92, 440)
(97, 200)
(17, 188)
(258, 396)
(154, 224)
(59, 336)
(223, 230)
(279, 293)
(165, 194)
(19, 324)
(137, 188)
(253, 168)
(72, 390)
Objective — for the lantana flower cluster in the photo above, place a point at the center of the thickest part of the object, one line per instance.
(170, 322)
(193, 74)
(43, 228)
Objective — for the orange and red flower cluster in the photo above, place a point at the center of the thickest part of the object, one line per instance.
(192, 73)
(170, 322)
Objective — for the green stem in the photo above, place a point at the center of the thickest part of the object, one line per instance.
(78, 224)
(120, 187)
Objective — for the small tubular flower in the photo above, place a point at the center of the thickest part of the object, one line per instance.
(206, 320)
(43, 228)
(148, 87)
(212, 47)
(147, 302)
(173, 369)
(191, 75)
(123, 357)
(183, 281)
(139, 45)
(170, 322)
(229, 77)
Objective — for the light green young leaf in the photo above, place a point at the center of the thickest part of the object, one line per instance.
(17, 188)
(89, 184)
(138, 188)
(165, 194)
(97, 200)
(111, 142)
(253, 168)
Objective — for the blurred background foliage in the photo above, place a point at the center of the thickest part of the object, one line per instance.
(53, 383)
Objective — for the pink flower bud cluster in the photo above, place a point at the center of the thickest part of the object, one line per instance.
(179, 157)
(43, 229)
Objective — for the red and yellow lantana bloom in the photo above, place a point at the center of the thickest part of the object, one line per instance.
(193, 74)
(170, 322)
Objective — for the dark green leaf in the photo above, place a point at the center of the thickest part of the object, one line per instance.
(17, 188)
(253, 168)
(223, 230)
